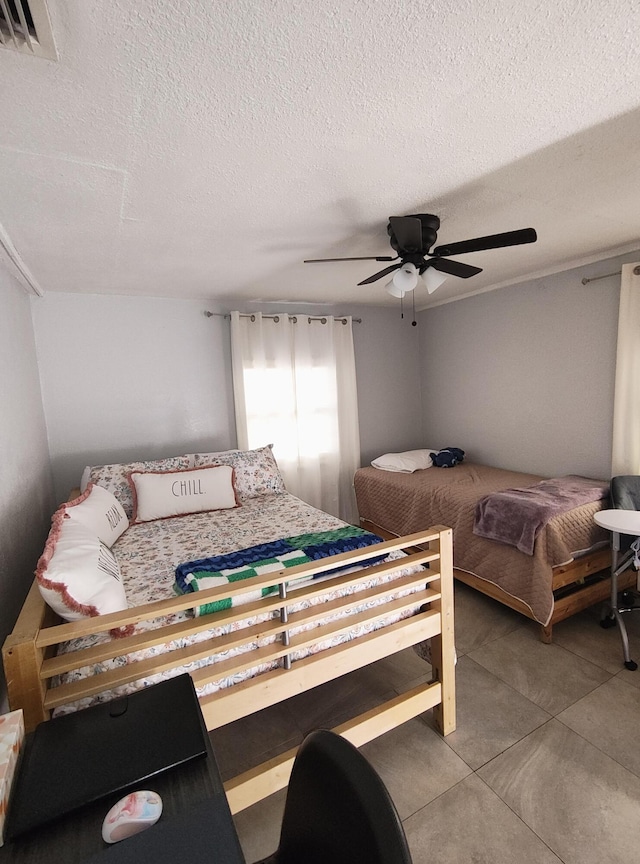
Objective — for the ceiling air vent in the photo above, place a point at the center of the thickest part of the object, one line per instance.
(25, 26)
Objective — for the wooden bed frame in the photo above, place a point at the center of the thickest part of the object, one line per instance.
(30, 660)
(576, 586)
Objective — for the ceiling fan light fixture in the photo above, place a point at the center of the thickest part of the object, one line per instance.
(394, 290)
(433, 279)
(406, 278)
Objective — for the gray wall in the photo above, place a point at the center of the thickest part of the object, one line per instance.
(137, 377)
(387, 352)
(523, 377)
(128, 378)
(26, 501)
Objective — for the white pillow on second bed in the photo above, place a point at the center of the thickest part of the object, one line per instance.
(407, 462)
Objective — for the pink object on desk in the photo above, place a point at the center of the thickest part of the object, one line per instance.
(134, 813)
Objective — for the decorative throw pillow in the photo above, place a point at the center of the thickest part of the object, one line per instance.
(78, 576)
(114, 477)
(405, 463)
(99, 511)
(159, 495)
(257, 471)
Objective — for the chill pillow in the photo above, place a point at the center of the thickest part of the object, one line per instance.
(406, 463)
(257, 471)
(114, 477)
(99, 511)
(159, 495)
(78, 576)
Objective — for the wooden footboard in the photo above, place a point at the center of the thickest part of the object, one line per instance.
(31, 663)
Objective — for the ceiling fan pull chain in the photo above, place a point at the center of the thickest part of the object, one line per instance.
(413, 297)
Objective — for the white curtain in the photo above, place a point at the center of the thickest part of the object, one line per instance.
(294, 384)
(625, 457)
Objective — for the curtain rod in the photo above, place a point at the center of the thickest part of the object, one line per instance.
(276, 318)
(585, 281)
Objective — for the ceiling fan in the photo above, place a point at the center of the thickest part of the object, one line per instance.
(413, 236)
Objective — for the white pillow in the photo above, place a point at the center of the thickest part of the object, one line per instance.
(99, 511)
(78, 576)
(407, 462)
(180, 493)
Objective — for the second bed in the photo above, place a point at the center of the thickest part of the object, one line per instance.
(566, 573)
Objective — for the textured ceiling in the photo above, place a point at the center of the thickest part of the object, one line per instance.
(198, 149)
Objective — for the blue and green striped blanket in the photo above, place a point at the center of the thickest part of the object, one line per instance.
(267, 558)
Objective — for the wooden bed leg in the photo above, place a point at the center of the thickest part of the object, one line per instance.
(546, 633)
(22, 661)
(25, 689)
(443, 645)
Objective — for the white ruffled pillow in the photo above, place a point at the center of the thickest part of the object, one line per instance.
(99, 511)
(78, 576)
(160, 495)
(407, 462)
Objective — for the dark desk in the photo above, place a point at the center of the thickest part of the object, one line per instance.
(196, 826)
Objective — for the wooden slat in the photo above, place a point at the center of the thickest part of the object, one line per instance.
(117, 648)
(182, 656)
(272, 775)
(244, 698)
(308, 638)
(598, 592)
(579, 568)
(159, 608)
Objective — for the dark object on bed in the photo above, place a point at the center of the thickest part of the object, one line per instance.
(447, 457)
(82, 757)
(338, 809)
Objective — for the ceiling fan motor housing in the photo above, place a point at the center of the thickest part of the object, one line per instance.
(429, 224)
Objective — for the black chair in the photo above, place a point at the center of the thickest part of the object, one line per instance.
(625, 495)
(337, 810)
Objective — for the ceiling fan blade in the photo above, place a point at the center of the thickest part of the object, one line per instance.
(493, 241)
(377, 258)
(454, 268)
(381, 273)
(408, 232)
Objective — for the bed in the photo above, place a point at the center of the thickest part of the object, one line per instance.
(567, 571)
(326, 618)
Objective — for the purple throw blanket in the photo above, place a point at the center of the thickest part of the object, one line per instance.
(516, 516)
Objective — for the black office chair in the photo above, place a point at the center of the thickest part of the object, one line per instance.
(337, 810)
(625, 495)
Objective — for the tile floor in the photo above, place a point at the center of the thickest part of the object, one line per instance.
(543, 767)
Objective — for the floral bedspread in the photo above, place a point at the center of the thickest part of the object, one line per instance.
(148, 554)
